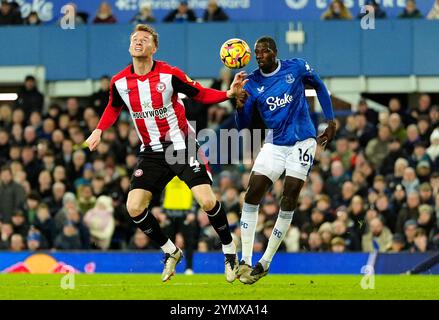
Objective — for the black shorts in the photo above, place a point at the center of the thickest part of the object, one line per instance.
(155, 169)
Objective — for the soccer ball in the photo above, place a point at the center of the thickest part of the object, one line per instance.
(235, 53)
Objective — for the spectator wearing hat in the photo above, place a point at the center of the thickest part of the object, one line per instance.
(379, 237)
(181, 14)
(423, 171)
(409, 211)
(433, 149)
(35, 240)
(100, 222)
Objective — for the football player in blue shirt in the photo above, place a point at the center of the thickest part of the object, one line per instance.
(277, 91)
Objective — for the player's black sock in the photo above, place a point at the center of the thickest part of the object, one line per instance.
(218, 220)
(149, 225)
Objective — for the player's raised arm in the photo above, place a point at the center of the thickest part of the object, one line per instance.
(109, 117)
(311, 78)
(193, 89)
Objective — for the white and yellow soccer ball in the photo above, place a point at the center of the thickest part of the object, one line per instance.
(235, 53)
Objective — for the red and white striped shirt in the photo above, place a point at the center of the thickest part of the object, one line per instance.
(153, 103)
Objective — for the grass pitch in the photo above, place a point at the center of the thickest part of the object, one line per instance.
(214, 287)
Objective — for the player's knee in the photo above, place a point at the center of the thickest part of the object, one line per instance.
(253, 196)
(208, 203)
(135, 208)
(288, 203)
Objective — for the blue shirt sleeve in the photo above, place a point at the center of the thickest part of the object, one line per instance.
(311, 78)
(244, 116)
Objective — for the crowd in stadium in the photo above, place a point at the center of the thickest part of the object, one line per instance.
(376, 187)
(10, 13)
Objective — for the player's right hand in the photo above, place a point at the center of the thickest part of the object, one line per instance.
(241, 98)
(94, 139)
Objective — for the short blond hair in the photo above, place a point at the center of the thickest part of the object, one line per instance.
(150, 30)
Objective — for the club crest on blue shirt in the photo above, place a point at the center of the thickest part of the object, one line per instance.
(289, 78)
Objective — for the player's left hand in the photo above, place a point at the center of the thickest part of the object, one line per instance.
(328, 135)
(238, 83)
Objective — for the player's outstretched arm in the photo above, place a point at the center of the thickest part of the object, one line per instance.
(328, 135)
(311, 78)
(109, 117)
(94, 139)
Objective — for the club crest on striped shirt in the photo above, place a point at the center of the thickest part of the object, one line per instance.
(138, 172)
(160, 87)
